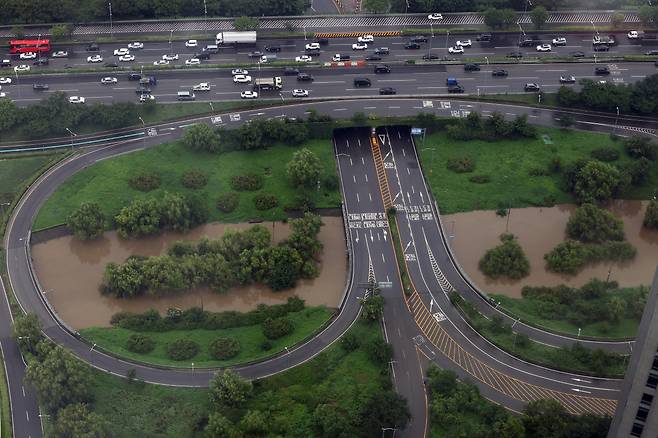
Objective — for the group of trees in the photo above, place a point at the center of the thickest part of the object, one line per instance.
(15, 11)
(505, 260)
(651, 215)
(491, 128)
(62, 383)
(517, 5)
(640, 97)
(53, 114)
(87, 221)
(238, 258)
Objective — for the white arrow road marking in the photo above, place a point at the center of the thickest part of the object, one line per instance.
(382, 138)
(422, 199)
(372, 239)
(580, 390)
(396, 197)
(580, 380)
(409, 197)
(406, 247)
(385, 234)
(357, 237)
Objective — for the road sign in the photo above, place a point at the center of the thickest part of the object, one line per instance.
(417, 131)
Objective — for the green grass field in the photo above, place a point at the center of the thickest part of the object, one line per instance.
(14, 171)
(250, 337)
(5, 410)
(530, 311)
(107, 182)
(507, 163)
(288, 399)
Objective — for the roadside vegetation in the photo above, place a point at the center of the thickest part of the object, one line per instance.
(505, 260)
(458, 410)
(5, 409)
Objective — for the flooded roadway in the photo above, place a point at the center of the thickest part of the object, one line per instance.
(71, 270)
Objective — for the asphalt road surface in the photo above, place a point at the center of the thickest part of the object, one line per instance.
(497, 370)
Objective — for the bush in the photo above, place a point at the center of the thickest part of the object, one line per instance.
(480, 179)
(350, 342)
(145, 181)
(330, 182)
(194, 179)
(640, 146)
(605, 154)
(224, 348)
(248, 182)
(567, 257)
(87, 221)
(182, 349)
(506, 260)
(592, 224)
(140, 343)
(227, 202)
(266, 345)
(264, 201)
(461, 164)
(275, 328)
(651, 215)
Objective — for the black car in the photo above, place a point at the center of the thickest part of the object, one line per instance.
(455, 89)
(531, 87)
(601, 48)
(5, 63)
(419, 39)
(515, 55)
(430, 57)
(499, 72)
(41, 61)
(93, 47)
(471, 67)
(312, 52)
(322, 41)
(40, 87)
(602, 71)
(382, 51)
(304, 77)
(483, 37)
(577, 54)
(527, 42)
(291, 71)
(111, 64)
(387, 91)
(272, 48)
(412, 46)
(134, 76)
(373, 58)
(202, 55)
(382, 68)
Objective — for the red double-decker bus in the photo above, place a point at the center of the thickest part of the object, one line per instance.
(24, 46)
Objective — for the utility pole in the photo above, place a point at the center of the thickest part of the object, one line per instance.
(111, 27)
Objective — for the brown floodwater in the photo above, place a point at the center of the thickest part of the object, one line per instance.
(70, 271)
(539, 230)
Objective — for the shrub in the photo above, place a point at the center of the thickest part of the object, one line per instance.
(461, 164)
(330, 182)
(182, 349)
(87, 221)
(266, 345)
(140, 343)
(145, 181)
(605, 154)
(555, 165)
(651, 215)
(640, 146)
(567, 257)
(264, 201)
(480, 179)
(194, 179)
(506, 260)
(227, 202)
(592, 224)
(248, 182)
(224, 348)
(350, 342)
(275, 328)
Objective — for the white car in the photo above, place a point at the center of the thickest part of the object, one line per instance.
(191, 43)
(161, 62)
(193, 61)
(298, 92)
(170, 57)
(241, 79)
(146, 97)
(435, 16)
(366, 39)
(136, 45)
(359, 46)
(248, 95)
(239, 71)
(108, 80)
(28, 55)
(303, 58)
(122, 51)
(559, 41)
(464, 43)
(544, 48)
(633, 35)
(95, 58)
(127, 58)
(60, 54)
(3, 94)
(5, 81)
(203, 86)
(76, 99)
(456, 49)
(313, 46)
(21, 68)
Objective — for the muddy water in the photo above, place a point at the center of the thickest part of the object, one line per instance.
(538, 231)
(71, 270)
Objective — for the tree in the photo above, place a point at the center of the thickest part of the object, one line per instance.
(140, 218)
(201, 138)
(331, 421)
(8, 114)
(60, 31)
(59, 379)
(442, 382)
(76, 421)
(245, 23)
(383, 408)
(648, 15)
(499, 18)
(617, 19)
(596, 182)
(376, 6)
(616, 308)
(505, 260)
(220, 427)
(227, 388)
(539, 15)
(304, 169)
(545, 418)
(372, 307)
(26, 330)
(640, 146)
(87, 221)
(254, 423)
(651, 215)
(591, 224)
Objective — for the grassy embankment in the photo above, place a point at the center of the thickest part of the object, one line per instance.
(5, 409)
(251, 339)
(107, 182)
(288, 399)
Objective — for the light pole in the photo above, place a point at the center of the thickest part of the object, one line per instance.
(212, 108)
(616, 119)
(447, 35)
(594, 27)
(384, 429)
(205, 10)
(171, 35)
(73, 134)
(111, 27)
(144, 133)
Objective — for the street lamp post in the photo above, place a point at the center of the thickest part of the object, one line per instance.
(616, 119)
(447, 35)
(205, 10)
(109, 5)
(144, 133)
(171, 35)
(73, 134)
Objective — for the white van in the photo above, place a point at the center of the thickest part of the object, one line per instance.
(186, 95)
(211, 48)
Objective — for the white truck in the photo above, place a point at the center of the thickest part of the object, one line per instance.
(268, 84)
(236, 38)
